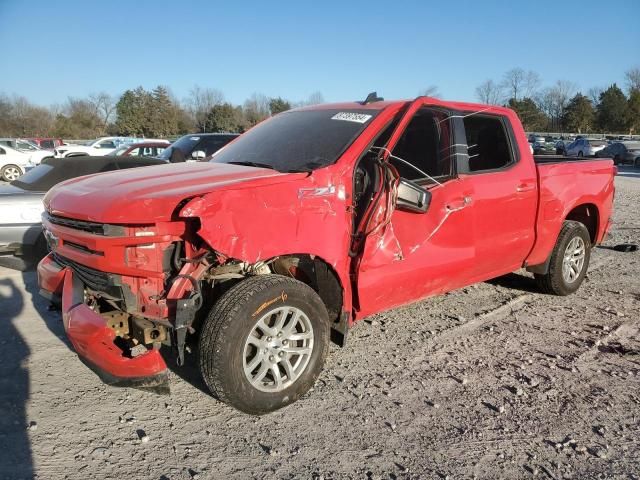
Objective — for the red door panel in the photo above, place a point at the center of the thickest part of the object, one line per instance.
(420, 254)
(504, 217)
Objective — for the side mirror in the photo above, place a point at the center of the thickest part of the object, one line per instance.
(198, 155)
(412, 197)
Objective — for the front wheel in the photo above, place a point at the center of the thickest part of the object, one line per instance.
(569, 260)
(9, 173)
(264, 343)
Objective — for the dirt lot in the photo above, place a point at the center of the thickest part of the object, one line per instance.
(491, 381)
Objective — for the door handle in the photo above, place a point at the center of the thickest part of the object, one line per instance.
(459, 204)
(525, 187)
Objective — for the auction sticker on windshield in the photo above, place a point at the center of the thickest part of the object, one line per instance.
(351, 117)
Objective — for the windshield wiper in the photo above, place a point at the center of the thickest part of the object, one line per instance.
(254, 164)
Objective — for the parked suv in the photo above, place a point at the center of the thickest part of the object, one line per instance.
(47, 143)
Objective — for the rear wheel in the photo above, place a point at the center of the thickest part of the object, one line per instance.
(264, 343)
(10, 173)
(569, 260)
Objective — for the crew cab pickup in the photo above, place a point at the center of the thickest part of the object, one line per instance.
(309, 222)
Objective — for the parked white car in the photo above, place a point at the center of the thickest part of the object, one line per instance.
(14, 162)
(585, 147)
(99, 147)
(36, 154)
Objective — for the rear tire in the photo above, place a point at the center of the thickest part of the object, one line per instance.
(569, 260)
(264, 343)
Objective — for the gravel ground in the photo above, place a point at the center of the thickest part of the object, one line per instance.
(490, 381)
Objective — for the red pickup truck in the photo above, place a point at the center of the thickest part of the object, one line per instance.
(308, 222)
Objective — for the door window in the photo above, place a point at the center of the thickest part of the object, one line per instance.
(488, 143)
(426, 146)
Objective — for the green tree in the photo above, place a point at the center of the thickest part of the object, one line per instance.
(278, 105)
(634, 110)
(531, 116)
(579, 114)
(133, 112)
(613, 110)
(163, 115)
(225, 118)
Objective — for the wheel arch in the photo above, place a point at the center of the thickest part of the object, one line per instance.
(324, 279)
(586, 213)
(589, 215)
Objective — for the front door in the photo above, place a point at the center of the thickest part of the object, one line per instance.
(408, 256)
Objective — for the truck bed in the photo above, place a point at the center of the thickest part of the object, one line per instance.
(564, 183)
(563, 159)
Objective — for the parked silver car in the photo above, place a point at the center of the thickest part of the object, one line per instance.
(585, 147)
(21, 201)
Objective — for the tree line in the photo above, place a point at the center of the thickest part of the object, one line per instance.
(139, 112)
(158, 113)
(562, 108)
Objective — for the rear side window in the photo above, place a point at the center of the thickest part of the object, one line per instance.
(488, 143)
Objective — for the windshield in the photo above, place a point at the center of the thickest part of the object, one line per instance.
(184, 144)
(119, 151)
(25, 145)
(632, 146)
(298, 140)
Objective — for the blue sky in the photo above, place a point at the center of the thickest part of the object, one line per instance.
(54, 49)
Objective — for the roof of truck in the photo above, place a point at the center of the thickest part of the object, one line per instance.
(381, 105)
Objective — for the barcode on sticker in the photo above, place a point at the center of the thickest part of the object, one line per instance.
(351, 117)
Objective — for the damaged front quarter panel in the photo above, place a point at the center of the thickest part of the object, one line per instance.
(297, 217)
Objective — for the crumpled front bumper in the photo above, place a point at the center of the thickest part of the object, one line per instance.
(92, 339)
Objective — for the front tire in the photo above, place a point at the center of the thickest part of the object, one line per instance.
(264, 343)
(9, 173)
(569, 260)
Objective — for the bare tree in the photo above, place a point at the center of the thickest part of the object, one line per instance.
(105, 107)
(554, 100)
(633, 79)
(594, 94)
(489, 92)
(256, 108)
(430, 91)
(200, 102)
(531, 84)
(519, 83)
(316, 98)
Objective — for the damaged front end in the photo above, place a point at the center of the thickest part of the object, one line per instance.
(128, 290)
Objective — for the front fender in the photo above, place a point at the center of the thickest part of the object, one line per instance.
(309, 216)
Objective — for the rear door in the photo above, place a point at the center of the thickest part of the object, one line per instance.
(504, 181)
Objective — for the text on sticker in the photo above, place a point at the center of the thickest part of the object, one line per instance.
(351, 117)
